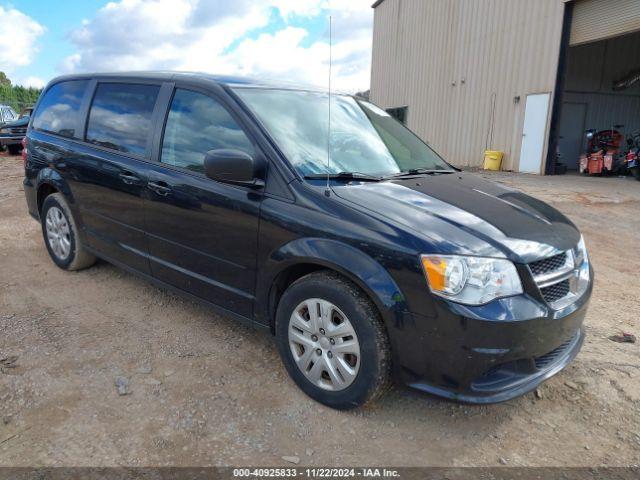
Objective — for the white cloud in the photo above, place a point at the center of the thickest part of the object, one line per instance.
(212, 36)
(282, 56)
(304, 8)
(157, 34)
(18, 37)
(30, 81)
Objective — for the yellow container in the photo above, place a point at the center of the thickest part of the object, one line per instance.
(492, 159)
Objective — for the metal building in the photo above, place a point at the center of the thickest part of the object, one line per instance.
(525, 77)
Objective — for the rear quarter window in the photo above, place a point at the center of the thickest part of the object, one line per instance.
(59, 109)
(120, 116)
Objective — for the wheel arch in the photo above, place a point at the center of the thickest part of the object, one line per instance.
(303, 256)
(50, 181)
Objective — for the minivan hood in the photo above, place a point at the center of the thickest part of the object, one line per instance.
(517, 225)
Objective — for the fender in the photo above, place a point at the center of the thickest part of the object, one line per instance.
(351, 262)
(50, 176)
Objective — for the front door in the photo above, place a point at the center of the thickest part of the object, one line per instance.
(534, 133)
(202, 234)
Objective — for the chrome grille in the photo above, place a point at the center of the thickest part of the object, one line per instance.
(556, 291)
(548, 265)
(36, 157)
(553, 277)
(18, 131)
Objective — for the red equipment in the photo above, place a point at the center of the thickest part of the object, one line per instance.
(595, 162)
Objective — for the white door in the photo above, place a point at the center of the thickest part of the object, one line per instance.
(533, 133)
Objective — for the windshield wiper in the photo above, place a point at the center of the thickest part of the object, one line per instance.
(419, 171)
(344, 176)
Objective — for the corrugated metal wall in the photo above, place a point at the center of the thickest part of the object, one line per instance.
(599, 19)
(459, 63)
(591, 72)
(595, 67)
(604, 111)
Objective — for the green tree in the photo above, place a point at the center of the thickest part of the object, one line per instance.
(4, 80)
(17, 96)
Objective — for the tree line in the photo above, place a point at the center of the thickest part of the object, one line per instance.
(17, 96)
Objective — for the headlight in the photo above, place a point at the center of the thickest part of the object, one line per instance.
(470, 280)
(4, 130)
(580, 252)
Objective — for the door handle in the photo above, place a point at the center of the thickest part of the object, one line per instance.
(129, 178)
(161, 188)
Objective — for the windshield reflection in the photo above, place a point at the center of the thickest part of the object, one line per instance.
(364, 138)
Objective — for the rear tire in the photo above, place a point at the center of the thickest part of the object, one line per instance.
(61, 235)
(332, 341)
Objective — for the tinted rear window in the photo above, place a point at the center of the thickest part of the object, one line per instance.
(58, 111)
(120, 116)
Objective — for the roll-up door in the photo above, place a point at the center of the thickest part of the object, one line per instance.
(599, 19)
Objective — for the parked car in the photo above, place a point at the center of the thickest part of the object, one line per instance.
(368, 257)
(12, 132)
(7, 114)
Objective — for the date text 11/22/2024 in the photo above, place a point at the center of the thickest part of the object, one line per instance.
(316, 472)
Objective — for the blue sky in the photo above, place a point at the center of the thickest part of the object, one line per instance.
(53, 44)
(280, 39)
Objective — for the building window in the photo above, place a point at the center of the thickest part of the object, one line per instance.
(399, 113)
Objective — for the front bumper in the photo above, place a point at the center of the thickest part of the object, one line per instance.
(491, 353)
(512, 379)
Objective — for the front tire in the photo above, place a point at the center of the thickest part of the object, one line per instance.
(61, 235)
(332, 341)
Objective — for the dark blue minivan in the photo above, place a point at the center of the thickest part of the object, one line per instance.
(368, 256)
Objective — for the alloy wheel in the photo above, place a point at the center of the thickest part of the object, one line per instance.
(58, 233)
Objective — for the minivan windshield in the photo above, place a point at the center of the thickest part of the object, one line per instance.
(364, 138)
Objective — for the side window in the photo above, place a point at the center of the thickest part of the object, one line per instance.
(120, 116)
(58, 111)
(399, 113)
(196, 124)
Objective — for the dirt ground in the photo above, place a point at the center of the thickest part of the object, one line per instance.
(205, 390)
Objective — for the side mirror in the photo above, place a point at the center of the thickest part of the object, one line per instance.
(231, 166)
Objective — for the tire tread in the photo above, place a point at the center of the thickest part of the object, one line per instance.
(81, 258)
(370, 312)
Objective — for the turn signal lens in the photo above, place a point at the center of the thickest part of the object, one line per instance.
(434, 267)
(470, 280)
(445, 274)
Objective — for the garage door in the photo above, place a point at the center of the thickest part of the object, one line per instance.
(599, 19)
